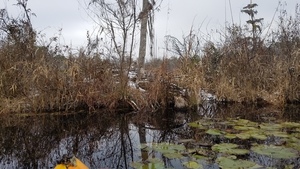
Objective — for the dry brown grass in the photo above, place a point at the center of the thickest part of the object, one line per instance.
(235, 77)
(37, 79)
(244, 81)
(45, 85)
(237, 71)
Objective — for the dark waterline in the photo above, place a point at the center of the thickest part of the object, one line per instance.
(107, 139)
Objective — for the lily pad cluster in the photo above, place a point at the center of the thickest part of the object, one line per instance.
(229, 148)
(154, 163)
(275, 151)
(233, 163)
(245, 129)
(170, 151)
(275, 140)
(279, 141)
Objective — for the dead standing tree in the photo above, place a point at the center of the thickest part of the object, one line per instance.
(146, 15)
(121, 17)
(117, 20)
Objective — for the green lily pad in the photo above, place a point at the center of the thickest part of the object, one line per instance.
(230, 136)
(240, 121)
(173, 155)
(137, 165)
(206, 122)
(289, 167)
(172, 146)
(164, 151)
(243, 122)
(168, 148)
(215, 132)
(159, 165)
(259, 136)
(223, 146)
(163, 148)
(296, 135)
(297, 130)
(243, 135)
(290, 124)
(197, 124)
(150, 163)
(295, 146)
(185, 140)
(272, 151)
(256, 166)
(233, 157)
(278, 134)
(178, 147)
(294, 140)
(192, 165)
(199, 157)
(244, 128)
(227, 163)
(229, 148)
(237, 151)
(270, 126)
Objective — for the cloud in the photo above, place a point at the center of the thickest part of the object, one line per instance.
(176, 17)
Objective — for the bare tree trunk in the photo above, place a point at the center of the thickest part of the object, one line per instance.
(143, 38)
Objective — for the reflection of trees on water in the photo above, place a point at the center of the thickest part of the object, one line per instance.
(164, 126)
(37, 142)
(22, 145)
(207, 109)
(167, 126)
(292, 112)
(116, 150)
(212, 109)
(99, 140)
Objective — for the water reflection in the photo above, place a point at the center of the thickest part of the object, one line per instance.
(101, 140)
(211, 109)
(107, 139)
(38, 141)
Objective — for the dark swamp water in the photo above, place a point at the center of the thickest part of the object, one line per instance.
(107, 140)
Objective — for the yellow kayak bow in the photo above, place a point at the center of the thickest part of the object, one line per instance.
(73, 163)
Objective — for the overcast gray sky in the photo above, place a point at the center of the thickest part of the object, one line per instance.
(174, 18)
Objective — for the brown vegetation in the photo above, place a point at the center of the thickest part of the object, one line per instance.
(242, 68)
(245, 67)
